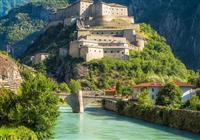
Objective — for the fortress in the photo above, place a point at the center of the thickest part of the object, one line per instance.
(103, 30)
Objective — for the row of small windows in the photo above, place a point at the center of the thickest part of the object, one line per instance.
(105, 40)
(107, 51)
(113, 52)
(107, 33)
(96, 51)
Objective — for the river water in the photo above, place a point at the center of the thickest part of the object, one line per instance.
(98, 124)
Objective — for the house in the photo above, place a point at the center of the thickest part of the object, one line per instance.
(110, 91)
(154, 87)
(39, 57)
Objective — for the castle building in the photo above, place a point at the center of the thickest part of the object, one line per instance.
(103, 30)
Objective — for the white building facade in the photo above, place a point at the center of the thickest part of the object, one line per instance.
(153, 88)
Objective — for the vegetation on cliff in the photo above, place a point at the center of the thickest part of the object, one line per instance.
(24, 24)
(155, 63)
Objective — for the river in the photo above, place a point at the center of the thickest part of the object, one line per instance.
(98, 124)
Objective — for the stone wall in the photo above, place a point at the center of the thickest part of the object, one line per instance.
(176, 118)
(110, 105)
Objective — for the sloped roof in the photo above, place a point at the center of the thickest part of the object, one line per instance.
(183, 84)
(149, 84)
(157, 84)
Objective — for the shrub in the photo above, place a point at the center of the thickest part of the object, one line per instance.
(193, 103)
(18, 133)
(75, 86)
(170, 95)
(143, 99)
(120, 106)
(7, 106)
(64, 87)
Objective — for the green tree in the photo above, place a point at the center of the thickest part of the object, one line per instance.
(143, 99)
(170, 95)
(194, 103)
(7, 106)
(119, 88)
(64, 87)
(37, 107)
(74, 86)
(40, 67)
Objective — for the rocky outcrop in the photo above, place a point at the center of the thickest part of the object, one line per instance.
(9, 73)
(177, 20)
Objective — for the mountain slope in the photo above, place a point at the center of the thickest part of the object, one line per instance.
(7, 5)
(24, 24)
(177, 20)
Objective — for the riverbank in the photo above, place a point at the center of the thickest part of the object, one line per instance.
(99, 124)
(181, 119)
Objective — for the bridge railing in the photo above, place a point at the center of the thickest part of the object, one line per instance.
(93, 92)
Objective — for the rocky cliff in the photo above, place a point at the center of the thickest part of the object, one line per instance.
(177, 20)
(9, 73)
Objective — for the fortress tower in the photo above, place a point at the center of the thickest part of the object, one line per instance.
(103, 30)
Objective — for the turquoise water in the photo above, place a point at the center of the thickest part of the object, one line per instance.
(98, 124)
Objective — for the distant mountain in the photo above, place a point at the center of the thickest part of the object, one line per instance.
(7, 5)
(24, 24)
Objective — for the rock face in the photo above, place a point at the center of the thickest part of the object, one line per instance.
(177, 20)
(9, 73)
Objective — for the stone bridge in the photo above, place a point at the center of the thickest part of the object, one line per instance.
(78, 102)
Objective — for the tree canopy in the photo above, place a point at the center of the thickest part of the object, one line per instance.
(170, 95)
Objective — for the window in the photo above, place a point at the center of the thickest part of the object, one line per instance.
(152, 89)
(105, 51)
(94, 50)
(99, 50)
(117, 51)
(122, 52)
(111, 51)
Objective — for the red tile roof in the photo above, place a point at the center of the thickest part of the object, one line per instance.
(149, 84)
(182, 84)
(110, 91)
(156, 84)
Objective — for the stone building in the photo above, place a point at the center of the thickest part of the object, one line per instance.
(153, 89)
(103, 30)
(9, 73)
(39, 57)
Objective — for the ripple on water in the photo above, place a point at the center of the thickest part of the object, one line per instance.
(98, 124)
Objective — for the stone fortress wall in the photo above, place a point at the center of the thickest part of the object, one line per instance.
(103, 30)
